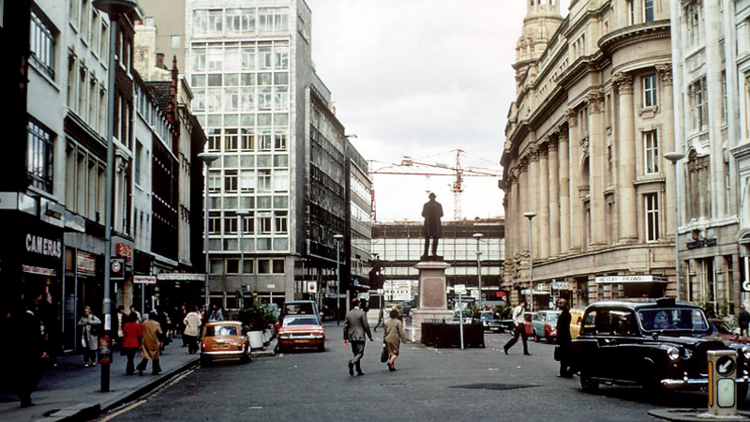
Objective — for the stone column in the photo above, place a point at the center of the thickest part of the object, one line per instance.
(576, 208)
(514, 205)
(666, 104)
(554, 200)
(564, 190)
(523, 188)
(533, 193)
(626, 194)
(543, 203)
(597, 161)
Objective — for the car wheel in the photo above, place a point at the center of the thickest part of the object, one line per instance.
(588, 385)
(322, 347)
(246, 357)
(741, 392)
(206, 361)
(536, 337)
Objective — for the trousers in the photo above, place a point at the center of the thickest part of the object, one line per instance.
(358, 350)
(519, 330)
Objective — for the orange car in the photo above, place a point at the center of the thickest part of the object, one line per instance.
(224, 340)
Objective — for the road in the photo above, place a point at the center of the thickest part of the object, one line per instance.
(430, 385)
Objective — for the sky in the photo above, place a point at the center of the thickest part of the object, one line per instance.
(422, 78)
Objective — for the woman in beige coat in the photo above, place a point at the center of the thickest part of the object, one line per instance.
(150, 345)
(394, 334)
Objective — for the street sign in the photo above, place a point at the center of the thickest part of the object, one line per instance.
(460, 289)
(271, 286)
(312, 287)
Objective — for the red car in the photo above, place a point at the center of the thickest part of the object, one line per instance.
(301, 332)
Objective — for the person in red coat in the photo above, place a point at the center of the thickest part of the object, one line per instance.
(132, 333)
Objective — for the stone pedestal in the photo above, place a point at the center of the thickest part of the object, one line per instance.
(433, 300)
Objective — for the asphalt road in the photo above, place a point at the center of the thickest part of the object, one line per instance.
(430, 385)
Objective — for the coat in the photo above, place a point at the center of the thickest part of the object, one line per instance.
(150, 346)
(432, 212)
(132, 335)
(356, 326)
(192, 324)
(87, 332)
(394, 333)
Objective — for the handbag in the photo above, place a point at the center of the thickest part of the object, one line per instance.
(384, 354)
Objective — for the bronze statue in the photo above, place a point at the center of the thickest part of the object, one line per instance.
(432, 212)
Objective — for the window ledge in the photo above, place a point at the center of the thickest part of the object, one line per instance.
(648, 112)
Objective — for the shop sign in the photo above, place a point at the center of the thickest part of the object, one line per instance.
(86, 264)
(43, 246)
(52, 213)
(74, 222)
(626, 279)
(560, 285)
(124, 250)
(38, 270)
(144, 279)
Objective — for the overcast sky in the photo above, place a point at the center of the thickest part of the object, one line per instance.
(422, 78)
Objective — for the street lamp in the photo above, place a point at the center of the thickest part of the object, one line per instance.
(207, 158)
(242, 214)
(337, 238)
(530, 216)
(115, 9)
(674, 157)
(478, 236)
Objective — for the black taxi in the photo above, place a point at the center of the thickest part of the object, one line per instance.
(659, 344)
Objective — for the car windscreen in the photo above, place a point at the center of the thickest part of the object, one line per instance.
(552, 318)
(672, 319)
(221, 330)
(288, 322)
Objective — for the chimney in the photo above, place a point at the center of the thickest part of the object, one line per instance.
(160, 60)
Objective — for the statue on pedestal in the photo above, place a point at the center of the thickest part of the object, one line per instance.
(432, 212)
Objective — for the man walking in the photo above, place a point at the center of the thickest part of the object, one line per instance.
(519, 330)
(355, 329)
(743, 319)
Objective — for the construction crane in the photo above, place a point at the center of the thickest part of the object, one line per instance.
(458, 171)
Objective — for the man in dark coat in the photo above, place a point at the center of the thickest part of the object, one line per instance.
(432, 212)
(562, 349)
(21, 363)
(355, 329)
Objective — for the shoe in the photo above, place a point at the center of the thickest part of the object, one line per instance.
(28, 403)
(140, 372)
(156, 373)
(86, 365)
(93, 364)
(129, 373)
(360, 373)
(505, 349)
(351, 369)
(526, 354)
(391, 368)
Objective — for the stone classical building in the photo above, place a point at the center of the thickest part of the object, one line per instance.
(740, 147)
(584, 149)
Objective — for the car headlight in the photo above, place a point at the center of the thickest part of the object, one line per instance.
(673, 353)
(746, 353)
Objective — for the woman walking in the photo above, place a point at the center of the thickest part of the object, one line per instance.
(89, 338)
(192, 323)
(394, 334)
(150, 345)
(132, 335)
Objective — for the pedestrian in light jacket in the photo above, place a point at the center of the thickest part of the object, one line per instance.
(394, 334)
(150, 345)
(132, 335)
(89, 338)
(520, 329)
(355, 330)
(192, 324)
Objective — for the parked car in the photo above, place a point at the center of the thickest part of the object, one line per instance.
(491, 322)
(658, 344)
(544, 325)
(224, 340)
(529, 316)
(302, 331)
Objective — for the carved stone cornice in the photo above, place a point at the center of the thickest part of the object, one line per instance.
(624, 83)
(665, 72)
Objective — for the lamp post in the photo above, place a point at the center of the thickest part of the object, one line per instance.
(242, 214)
(674, 157)
(337, 238)
(530, 216)
(478, 236)
(207, 158)
(115, 9)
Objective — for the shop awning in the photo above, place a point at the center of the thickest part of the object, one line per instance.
(629, 279)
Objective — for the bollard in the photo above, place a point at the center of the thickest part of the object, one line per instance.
(722, 388)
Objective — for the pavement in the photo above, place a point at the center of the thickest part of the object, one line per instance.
(70, 392)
